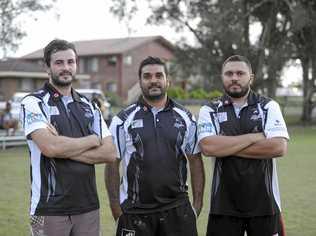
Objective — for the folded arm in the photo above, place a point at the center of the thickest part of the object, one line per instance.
(265, 149)
(104, 153)
(55, 146)
(197, 181)
(221, 146)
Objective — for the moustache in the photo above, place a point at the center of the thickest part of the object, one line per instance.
(154, 86)
(65, 73)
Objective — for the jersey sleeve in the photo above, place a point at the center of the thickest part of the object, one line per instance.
(206, 126)
(99, 125)
(118, 134)
(275, 125)
(192, 147)
(32, 116)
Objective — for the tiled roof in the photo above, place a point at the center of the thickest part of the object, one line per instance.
(107, 46)
(19, 65)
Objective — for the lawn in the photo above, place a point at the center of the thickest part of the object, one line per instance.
(296, 173)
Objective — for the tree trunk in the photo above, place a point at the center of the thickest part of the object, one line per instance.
(305, 118)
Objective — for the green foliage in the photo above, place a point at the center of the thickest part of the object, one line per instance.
(200, 93)
(177, 92)
(114, 99)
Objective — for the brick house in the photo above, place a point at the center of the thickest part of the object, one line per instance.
(17, 75)
(113, 63)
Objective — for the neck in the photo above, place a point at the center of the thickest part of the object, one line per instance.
(240, 101)
(157, 103)
(63, 90)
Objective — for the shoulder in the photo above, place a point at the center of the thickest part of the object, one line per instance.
(35, 96)
(212, 105)
(126, 112)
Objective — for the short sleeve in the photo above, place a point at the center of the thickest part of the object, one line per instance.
(206, 126)
(191, 146)
(275, 125)
(99, 125)
(118, 134)
(32, 116)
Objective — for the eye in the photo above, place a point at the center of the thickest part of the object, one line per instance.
(146, 76)
(159, 75)
(71, 61)
(240, 73)
(229, 73)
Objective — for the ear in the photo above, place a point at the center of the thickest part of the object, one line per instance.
(252, 78)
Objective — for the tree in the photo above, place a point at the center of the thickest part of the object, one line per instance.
(11, 31)
(304, 37)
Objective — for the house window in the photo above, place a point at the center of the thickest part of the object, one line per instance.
(112, 60)
(81, 65)
(92, 64)
(128, 60)
(27, 84)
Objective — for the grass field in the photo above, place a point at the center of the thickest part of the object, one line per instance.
(296, 171)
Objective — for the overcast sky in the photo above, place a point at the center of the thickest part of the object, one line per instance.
(75, 20)
(83, 20)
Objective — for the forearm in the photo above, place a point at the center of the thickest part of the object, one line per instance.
(66, 147)
(197, 181)
(112, 184)
(265, 149)
(54, 146)
(221, 146)
(105, 153)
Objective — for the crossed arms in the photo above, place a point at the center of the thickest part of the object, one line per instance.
(89, 149)
(250, 146)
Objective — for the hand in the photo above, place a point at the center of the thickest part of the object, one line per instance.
(255, 137)
(197, 208)
(116, 211)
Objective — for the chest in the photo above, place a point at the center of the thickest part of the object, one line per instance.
(164, 127)
(73, 120)
(249, 119)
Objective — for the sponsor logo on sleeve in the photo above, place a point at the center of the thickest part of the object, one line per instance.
(205, 128)
(32, 118)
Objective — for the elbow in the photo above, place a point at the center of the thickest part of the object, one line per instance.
(109, 156)
(209, 150)
(50, 151)
(281, 150)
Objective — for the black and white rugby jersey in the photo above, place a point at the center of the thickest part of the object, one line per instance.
(243, 187)
(153, 148)
(61, 186)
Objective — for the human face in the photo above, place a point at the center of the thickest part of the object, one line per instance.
(62, 68)
(154, 82)
(237, 79)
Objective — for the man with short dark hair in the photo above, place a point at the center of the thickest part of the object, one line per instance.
(155, 138)
(245, 132)
(66, 135)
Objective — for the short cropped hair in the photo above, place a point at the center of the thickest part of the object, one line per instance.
(152, 61)
(238, 58)
(55, 46)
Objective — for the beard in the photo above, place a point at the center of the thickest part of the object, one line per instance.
(237, 94)
(154, 96)
(59, 82)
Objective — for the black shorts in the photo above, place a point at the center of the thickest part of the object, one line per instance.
(221, 225)
(176, 221)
